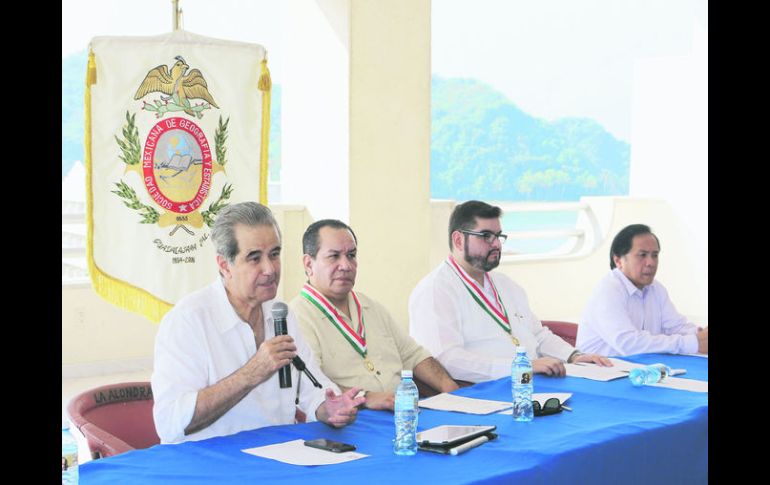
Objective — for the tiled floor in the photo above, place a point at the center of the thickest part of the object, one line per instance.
(72, 387)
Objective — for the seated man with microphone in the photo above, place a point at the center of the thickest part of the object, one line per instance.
(354, 338)
(218, 354)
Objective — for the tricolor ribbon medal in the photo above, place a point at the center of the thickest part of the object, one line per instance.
(356, 338)
(501, 318)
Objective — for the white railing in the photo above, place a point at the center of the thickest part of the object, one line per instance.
(73, 245)
(576, 240)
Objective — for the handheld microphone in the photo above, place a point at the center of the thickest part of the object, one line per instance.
(279, 311)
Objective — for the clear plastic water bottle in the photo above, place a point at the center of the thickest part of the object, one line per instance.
(522, 385)
(69, 457)
(406, 409)
(649, 374)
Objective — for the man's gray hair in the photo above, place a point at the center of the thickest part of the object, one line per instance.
(249, 214)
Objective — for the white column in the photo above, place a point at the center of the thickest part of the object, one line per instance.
(390, 74)
(356, 131)
(315, 106)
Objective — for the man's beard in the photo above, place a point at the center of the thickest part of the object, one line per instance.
(482, 262)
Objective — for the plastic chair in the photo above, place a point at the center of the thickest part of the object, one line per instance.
(115, 418)
(566, 330)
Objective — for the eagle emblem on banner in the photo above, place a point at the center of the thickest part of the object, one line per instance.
(175, 160)
(163, 159)
(179, 87)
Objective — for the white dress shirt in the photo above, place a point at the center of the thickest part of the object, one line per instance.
(200, 342)
(445, 319)
(620, 319)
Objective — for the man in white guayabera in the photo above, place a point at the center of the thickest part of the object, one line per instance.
(473, 319)
(217, 353)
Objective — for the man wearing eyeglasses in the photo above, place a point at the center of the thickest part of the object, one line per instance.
(472, 319)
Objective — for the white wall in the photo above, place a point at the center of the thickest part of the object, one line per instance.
(99, 338)
(669, 147)
(315, 106)
(390, 147)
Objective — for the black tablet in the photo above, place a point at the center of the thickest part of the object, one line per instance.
(449, 434)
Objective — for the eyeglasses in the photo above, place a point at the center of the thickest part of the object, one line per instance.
(551, 406)
(488, 236)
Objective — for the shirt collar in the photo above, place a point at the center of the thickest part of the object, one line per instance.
(351, 303)
(630, 287)
(487, 275)
(225, 317)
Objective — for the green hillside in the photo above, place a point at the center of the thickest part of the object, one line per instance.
(483, 146)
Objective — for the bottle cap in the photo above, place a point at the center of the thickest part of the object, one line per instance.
(406, 373)
(521, 348)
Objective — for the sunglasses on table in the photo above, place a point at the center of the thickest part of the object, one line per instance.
(551, 406)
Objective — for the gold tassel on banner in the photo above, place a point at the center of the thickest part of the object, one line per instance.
(111, 289)
(265, 85)
(91, 71)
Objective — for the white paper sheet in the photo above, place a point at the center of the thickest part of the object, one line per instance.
(623, 365)
(296, 453)
(693, 385)
(460, 404)
(542, 397)
(594, 372)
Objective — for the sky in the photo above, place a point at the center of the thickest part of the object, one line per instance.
(553, 58)
(557, 58)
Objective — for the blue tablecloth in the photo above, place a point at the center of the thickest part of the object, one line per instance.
(617, 433)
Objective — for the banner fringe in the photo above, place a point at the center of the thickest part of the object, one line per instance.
(91, 71)
(113, 290)
(265, 85)
(126, 296)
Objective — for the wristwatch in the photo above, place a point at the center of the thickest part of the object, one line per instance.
(574, 355)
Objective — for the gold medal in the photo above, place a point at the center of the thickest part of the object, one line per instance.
(369, 365)
(515, 340)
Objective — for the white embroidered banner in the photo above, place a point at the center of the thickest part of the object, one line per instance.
(177, 127)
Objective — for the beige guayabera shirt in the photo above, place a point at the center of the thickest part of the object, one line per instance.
(390, 349)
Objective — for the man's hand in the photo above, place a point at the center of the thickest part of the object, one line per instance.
(271, 356)
(593, 358)
(380, 400)
(548, 366)
(215, 400)
(338, 411)
(703, 340)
